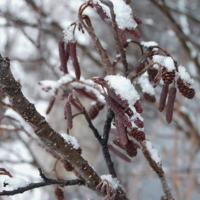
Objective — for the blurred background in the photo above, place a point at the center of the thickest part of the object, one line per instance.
(29, 34)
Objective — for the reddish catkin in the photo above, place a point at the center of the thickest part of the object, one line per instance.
(74, 59)
(138, 20)
(118, 143)
(118, 153)
(138, 107)
(59, 194)
(122, 134)
(64, 55)
(94, 110)
(74, 103)
(139, 123)
(170, 104)
(86, 93)
(131, 148)
(163, 97)
(134, 32)
(122, 36)
(118, 111)
(51, 103)
(138, 135)
(68, 114)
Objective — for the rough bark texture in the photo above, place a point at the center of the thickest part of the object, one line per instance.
(44, 131)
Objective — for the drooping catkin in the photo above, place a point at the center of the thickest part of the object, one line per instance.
(170, 104)
(68, 115)
(74, 59)
(123, 138)
(63, 50)
(118, 153)
(163, 97)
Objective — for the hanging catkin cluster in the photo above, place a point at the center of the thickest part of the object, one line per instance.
(127, 111)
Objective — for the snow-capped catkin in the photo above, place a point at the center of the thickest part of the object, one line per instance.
(170, 104)
(185, 90)
(74, 58)
(51, 103)
(118, 111)
(68, 115)
(118, 153)
(163, 97)
(131, 148)
(64, 55)
(138, 107)
(138, 135)
(59, 194)
(94, 110)
(149, 97)
(167, 77)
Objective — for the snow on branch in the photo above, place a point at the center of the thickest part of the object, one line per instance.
(124, 16)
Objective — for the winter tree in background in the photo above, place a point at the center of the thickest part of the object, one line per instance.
(104, 109)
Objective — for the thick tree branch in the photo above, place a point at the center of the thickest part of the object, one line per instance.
(43, 130)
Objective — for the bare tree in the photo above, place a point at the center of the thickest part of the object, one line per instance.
(116, 92)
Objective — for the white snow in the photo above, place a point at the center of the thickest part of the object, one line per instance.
(113, 181)
(123, 13)
(165, 61)
(71, 140)
(183, 74)
(15, 183)
(149, 43)
(8, 127)
(153, 152)
(123, 87)
(68, 34)
(145, 84)
(169, 64)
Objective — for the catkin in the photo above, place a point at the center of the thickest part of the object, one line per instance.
(163, 97)
(68, 115)
(170, 104)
